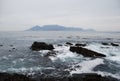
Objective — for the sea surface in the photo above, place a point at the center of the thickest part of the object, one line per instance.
(17, 57)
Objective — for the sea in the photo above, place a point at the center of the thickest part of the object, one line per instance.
(17, 57)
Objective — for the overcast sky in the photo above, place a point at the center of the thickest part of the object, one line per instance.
(101, 15)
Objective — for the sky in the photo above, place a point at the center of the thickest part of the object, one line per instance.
(101, 15)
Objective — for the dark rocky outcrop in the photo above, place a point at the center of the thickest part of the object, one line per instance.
(68, 43)
(14, 77)
(74, 77)
(41, 46)
(85, 52)
(82, 45)
(113, 44)
(79, 77)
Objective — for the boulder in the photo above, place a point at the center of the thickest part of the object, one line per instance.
(80, 45)
(86, 52)
(41, 46)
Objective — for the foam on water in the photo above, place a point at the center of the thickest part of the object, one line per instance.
(87, 66)
(64, 54)
(113, 53)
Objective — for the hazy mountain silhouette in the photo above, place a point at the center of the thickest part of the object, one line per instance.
(56, 28)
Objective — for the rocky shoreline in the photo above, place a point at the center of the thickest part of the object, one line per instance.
(77, 48)
(74, 77)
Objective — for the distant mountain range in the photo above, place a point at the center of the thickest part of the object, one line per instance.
(56, 28)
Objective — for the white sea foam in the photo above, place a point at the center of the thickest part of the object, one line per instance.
(43, 52)
(113, 53)
(63, 54)
(25, 70)
(87, 66)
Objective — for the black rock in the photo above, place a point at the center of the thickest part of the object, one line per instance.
(80, 45)
(86, 52)
(113, 44)
(68, 43)
(14, 77)
(41, 46)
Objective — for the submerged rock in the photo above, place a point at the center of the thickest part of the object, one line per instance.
(86, 52)
(41, 46)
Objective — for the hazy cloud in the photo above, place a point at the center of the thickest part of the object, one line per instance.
(96, 14)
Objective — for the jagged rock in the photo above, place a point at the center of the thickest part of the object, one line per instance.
(113, 44)
(80, 45)
(85, 52)
(68, 43)
(41, 46)
(14, 77)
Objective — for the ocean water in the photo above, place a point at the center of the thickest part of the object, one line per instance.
(17, 57)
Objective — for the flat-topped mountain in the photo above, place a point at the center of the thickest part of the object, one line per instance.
(56, 28)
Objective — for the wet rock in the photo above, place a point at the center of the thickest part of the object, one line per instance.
(113, 44)
(51, 53)
(86, 52)
(11, 45)
(68, 43)
(14, 77)
(104, 43)
(109, 38)
(59, 45)
(13, 48)
(105, 47)
(41, 46)
(74, 77)
(80, 77)
(91, 77)
(10, 50)
(80, 45)
(1, 45)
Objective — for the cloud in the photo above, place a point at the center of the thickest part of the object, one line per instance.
(96, 14)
